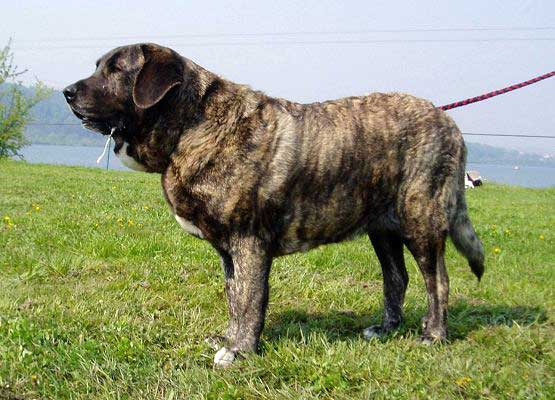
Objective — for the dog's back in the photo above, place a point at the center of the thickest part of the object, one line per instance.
(336, 168)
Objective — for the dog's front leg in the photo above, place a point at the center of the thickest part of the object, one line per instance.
(246, 268)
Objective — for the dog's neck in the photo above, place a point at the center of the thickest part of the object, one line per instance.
(205, 112)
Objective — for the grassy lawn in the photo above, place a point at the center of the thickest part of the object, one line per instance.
(102, 295)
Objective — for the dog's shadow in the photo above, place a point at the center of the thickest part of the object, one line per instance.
(340, 325)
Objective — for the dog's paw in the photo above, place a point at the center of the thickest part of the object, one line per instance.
(224, 358)
(373, 332)
(429, 340)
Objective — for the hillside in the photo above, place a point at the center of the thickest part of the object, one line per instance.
(55, 110)
(485, 154)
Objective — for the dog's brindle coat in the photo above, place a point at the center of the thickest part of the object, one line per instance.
(260, 177)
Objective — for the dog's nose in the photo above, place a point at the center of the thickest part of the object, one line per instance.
(70, 92)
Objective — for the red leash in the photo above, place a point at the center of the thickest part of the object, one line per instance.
(496, 92)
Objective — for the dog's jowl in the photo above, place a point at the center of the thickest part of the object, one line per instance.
(259, 177)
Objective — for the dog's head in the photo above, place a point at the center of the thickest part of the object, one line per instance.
(127, 81)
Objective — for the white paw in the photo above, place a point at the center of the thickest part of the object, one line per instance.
(372, 332)
(224, 358)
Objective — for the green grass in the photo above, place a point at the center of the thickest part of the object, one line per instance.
(103, 296)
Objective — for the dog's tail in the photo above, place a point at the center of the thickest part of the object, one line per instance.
(462, 232)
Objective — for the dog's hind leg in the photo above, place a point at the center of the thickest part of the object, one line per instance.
(428, 229)
(246, 268)
(430, 259)
(389, 249)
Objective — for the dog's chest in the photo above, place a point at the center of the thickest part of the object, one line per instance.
(188, 226)
(127, 160)
(182, 205)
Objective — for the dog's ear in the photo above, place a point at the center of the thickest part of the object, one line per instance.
(161, 71)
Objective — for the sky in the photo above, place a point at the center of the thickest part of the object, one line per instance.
(308, 50)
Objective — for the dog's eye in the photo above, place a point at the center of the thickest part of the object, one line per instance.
(115, 68)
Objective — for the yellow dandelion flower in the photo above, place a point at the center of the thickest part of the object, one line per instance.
(130, 222)
(7, 218)
(463, 381)
(542, 237)
(37, 208)
(497, 250)
(507, 232)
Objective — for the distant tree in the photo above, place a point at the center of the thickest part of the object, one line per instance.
(15, 107)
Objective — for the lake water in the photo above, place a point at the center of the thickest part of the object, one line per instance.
(86, 156)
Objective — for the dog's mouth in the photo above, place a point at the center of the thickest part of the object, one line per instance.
(94, 123)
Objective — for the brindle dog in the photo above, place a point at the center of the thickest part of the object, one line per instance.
(260, 177)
